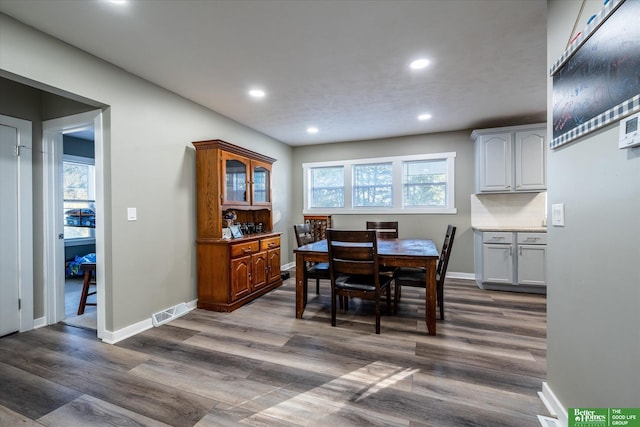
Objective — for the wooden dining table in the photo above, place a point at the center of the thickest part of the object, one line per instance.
(391, 252)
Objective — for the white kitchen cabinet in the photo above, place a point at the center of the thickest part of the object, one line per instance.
(497, 257)
(510, 159)
(532, 259)
(498, 263)
(510, 260)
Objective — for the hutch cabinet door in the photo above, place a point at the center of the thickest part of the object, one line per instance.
(273, 261)
(235, 176)
(240, 277)
(260, 183)
(259, 267)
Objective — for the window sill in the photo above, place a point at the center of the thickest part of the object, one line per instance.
(378, 211)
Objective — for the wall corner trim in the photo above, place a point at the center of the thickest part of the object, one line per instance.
(553, 405)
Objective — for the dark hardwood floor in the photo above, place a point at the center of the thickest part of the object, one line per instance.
(261, 366)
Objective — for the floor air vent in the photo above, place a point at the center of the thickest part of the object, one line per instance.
(169, 314)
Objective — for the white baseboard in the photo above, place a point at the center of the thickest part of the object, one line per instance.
(553, 405)
(456, 275)
(126, 332)
(289, 266)
(40, 322)
(131, 330)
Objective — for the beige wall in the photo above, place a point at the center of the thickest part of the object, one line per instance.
(28, 103)
(149, 163)
(414, 225)
(593, 314)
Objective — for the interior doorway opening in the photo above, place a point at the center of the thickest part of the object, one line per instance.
(80, 219)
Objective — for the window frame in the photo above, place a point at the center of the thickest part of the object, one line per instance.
(397, 186)
(79, 241)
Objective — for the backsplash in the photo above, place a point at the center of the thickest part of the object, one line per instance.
(505, 210)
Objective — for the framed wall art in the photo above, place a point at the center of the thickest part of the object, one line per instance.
(597, 79)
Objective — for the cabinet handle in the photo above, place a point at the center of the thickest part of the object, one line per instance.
(520, 249)
(510, 250)
(246, 250)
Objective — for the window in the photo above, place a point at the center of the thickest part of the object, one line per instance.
(425, 183)
(404, 184)
(79, 198)
(327, 187)
(373, 185)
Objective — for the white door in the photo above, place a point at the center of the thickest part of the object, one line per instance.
(16, 226)
(9, 272)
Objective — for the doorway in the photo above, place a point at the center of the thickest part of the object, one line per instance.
(53, 147)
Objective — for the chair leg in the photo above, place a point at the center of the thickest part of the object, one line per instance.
(317, 286)
(389, 299)
(85, 292)
(396, 297)
(333, 307)
(440, 292)
(377, 316)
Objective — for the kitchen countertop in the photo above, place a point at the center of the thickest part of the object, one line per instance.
(521, 228)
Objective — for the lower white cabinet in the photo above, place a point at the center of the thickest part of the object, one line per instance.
(532, 258)
(511, 258)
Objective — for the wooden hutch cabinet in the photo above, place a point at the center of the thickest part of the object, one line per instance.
(232, 272)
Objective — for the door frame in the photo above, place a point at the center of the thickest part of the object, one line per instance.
(52, 131)
(25, 219)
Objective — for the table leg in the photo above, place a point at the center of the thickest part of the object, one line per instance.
(300, 285)
(430, 303)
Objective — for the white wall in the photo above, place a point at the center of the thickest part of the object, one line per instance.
(149, 164)
(594, 277)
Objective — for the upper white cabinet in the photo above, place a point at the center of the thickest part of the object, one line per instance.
(511, 159)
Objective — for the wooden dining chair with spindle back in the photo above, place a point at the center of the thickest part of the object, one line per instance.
(354, 269)
(416, 277)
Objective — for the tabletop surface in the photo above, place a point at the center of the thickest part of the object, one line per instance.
(391, 247)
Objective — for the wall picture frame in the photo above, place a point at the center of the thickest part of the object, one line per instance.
(236, 233)
(595, 81)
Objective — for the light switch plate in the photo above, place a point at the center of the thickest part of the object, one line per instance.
(132, 214)
(557, 215)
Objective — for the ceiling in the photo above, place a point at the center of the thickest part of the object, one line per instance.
(338, 65)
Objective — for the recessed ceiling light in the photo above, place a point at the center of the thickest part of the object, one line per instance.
(423, 117)
(118, 1)
(312, 129)
(257, 93)
(419, 64)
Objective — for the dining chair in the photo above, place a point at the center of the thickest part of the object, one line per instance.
(313, 270)
(385, 229)
(354, 269)
(416, 277)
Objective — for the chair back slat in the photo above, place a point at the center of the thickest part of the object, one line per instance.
(303, 234)
(385, 229)
(352, 251)
(445, 253)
